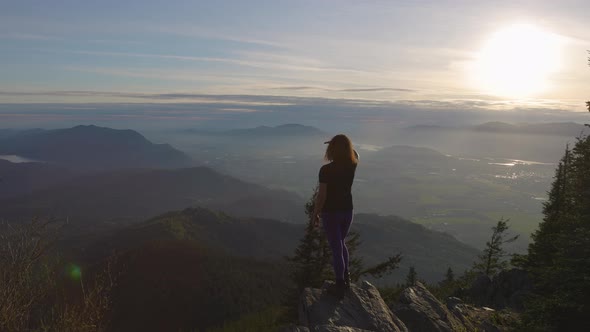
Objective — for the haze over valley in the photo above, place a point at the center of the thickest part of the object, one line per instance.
(104, 175)
(160, 165)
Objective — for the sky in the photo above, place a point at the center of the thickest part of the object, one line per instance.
(80, 61)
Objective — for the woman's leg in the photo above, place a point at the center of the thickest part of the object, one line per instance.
(344, 223)
(333, 230)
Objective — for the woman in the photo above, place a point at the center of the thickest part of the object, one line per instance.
(333, 204)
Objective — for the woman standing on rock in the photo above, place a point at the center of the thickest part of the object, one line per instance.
(333, 204)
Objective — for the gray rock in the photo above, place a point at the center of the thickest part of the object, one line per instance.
(361, 309)
(481, 318)
(295, 329)
(452, 302)
(332, 328)
(421, 311)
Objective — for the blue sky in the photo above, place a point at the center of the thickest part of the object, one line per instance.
(382, 51)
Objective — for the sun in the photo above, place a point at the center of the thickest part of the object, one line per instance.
(517, 61)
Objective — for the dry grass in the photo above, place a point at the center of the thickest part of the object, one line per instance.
(32, 296)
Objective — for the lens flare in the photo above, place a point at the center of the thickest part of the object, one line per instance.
(74, 271)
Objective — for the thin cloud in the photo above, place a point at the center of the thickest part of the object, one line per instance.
(115, 41)
(240, 110)
(376, 90)
(241, 62)
(28, 36)
(298, 88)
(231, 101)
(200, 32)
(171, 75)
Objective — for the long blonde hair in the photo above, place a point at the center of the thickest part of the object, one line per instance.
(340, 149)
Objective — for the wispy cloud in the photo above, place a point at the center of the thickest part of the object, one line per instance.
(172, 75)
(115, 41)
(376, 90)
(28, 36)
(372, 89)
(242, 110)
(270, 100)
(236, 61)
(188, 30)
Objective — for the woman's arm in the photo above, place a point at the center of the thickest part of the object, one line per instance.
(320, 199)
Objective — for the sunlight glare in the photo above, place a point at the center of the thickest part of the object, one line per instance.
(517, 61)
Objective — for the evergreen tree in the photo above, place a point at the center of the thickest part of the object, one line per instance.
(558, 259)
(491, 261)
(588, 102)
(446, 287)
(311, 261)
(383, 268)
(412, 277)
(556, 210)
(449, 276)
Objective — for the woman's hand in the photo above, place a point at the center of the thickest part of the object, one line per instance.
(316, 220)
(319, 203)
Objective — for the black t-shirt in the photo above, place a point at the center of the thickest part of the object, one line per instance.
(338, 177)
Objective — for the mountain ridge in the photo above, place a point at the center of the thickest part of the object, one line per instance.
(89, 147)
(549, 128)
(133, 195)
(429, 251)
(284, 130)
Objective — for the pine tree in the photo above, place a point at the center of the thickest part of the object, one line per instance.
(558, 259)
(449, 276)
(446, 287)
(311, 261)
(557, 210)
(491, 261)
(412, 277)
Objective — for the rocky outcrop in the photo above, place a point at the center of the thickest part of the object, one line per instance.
(481, 318)
(421, 311)
(506, 290)
(361, 310)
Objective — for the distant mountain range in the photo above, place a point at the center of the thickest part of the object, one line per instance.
(282, 130)
(286, 130)
(134, 195)
(558, 129)
(91, 148)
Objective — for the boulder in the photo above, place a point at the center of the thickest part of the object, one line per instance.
(361, 310)
(482, 319)
(421, 311)
(295, 329)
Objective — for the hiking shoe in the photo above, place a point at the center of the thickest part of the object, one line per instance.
(347, 280)
(337, 289)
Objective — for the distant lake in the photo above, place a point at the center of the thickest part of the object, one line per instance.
(16, 159)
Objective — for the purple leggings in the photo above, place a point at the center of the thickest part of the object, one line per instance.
(336, 226)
